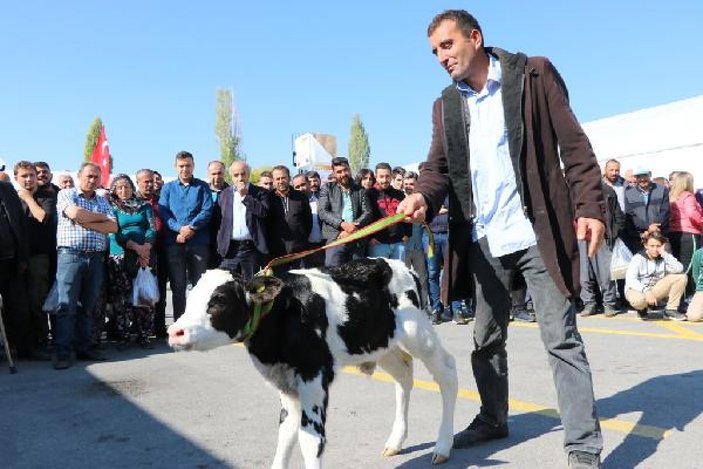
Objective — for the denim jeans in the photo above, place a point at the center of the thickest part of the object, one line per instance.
(186, 263)
(336, 256)
(79, 277)
(556, 317)
(434, 270)
(389, 251)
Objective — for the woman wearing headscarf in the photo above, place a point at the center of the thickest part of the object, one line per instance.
(131, 247)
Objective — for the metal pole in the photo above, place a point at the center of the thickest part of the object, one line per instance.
(3, 333)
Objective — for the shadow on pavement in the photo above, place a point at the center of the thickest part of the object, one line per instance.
(71, 418)
(669, 402)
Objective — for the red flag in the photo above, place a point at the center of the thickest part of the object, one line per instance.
(101, 157)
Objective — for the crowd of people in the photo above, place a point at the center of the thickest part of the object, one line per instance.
(659, 221)
(89, 243)
(77, 248)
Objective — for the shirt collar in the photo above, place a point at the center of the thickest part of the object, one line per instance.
(493, 80)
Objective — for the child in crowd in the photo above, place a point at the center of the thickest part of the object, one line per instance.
(654, 274)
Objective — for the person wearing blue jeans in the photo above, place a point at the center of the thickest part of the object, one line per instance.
(434, 272)
(84, 220)
(384, 198)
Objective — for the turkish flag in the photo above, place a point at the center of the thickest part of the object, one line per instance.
(101, 157)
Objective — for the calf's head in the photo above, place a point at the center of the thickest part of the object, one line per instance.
(219, 310)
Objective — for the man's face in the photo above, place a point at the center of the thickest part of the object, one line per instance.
(612, 172)
(266, 182)
(216, 174)
(455, 52)
(301, 184)
(409, 185)
(184, 168)
(44, 175)
(145, 184)
(27, 179)
(383, 178)
(398, 181)
(314, 184)
(89, 179)
(643, 181)
(239, 174)
(66, 181)
(342, 174)
(281, 181)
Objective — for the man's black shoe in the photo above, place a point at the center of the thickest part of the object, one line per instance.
(478, 432)
(90, 356)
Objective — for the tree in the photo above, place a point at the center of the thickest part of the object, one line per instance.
(227, 129)
(359, 149)
(92, 139)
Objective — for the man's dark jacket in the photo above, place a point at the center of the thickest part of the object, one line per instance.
(614, 216)
(540, 125)
(288, 229)
(257, 204)
(639, 215)
(329, 209)
(17, 221)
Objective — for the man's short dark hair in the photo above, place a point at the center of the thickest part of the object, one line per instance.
(383, 166)
(411, 175)
(42, 164)
(217, 162)
(25, 165)
(463, 19)
(340, 161)
(85, 164)
(312, 174)
(156, 173)
(399, 170)
(281, 167)
(182, 155)
(266, 174)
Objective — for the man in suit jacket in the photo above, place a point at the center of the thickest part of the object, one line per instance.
(290, 217)
(241, 238)
(343, 208)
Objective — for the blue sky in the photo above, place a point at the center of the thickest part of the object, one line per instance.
(150, 70)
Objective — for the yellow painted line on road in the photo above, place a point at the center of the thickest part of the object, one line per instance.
(622, 426)
(658, 335)
(683, 331)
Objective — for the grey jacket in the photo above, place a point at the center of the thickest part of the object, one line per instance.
(330, 209)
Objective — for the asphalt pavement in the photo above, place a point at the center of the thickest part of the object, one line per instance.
(160, 409)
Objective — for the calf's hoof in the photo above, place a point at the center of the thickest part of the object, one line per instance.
(388, 452)
(439, 458)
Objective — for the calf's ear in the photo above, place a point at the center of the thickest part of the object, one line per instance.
(264, 289)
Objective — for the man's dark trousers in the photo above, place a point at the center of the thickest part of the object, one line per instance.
(556, 317)
(186, 263)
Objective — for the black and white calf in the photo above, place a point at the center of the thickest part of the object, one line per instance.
(367, 311)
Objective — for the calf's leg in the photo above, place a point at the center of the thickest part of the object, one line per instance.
(287, 430)
(399, 365)
(419, 339)
(311, 433)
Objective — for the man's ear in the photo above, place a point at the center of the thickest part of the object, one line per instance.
(264, 289)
